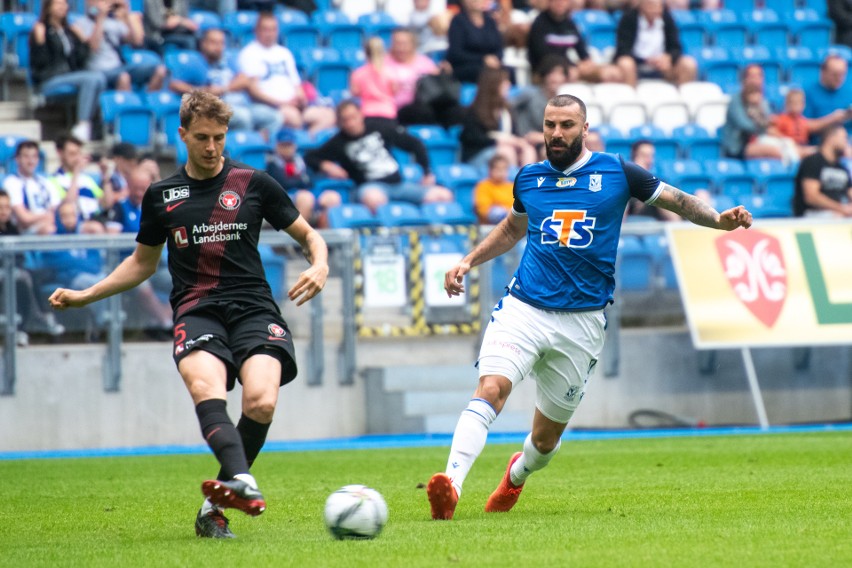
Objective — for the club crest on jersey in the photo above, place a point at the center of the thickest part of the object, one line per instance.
(566, 182)
(180, 237)
(229, 200)
(276, 330)
(595, 182)
(568, 228)
(175, 193)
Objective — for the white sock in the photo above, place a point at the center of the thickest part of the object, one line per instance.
(531, 460)
(248, 478)
(469, 439)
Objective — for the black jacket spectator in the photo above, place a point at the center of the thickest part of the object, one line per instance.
(840, 11)
(628, 30)
(548, 35)
(468, 46)
(50, 58)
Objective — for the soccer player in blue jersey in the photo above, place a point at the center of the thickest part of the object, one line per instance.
(550, 325)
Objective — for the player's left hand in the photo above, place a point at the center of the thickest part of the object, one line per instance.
(735, 217)
(310, 283)
(454, 279)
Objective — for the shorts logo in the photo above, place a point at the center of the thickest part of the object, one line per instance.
(568, 228)
(276, 330)
(571, 394)
(181, 240)
(566, 182)
(179, 349)
(229, 200)
(175, 193)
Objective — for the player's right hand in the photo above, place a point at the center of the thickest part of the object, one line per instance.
(63, 298)
(454, 279)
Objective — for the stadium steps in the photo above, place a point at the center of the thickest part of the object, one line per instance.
(408, 399)
(13, 120)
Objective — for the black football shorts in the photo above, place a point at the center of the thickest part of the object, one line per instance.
(233, 331)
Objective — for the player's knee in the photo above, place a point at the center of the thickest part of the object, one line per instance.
(260, 409)
(495, 390)
(544, 442)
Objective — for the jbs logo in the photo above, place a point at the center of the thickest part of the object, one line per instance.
(175, 193)
(569, 228)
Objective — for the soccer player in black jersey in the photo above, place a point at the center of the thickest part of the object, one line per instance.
(228, 326)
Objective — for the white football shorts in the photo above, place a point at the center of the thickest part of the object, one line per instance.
(558, 350)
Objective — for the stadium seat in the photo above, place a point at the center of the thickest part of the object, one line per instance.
(692, 36)
(735, 185)
(765, 167)
(249, 147)
(427, 132)
(621, 146)
(658, 248)
(331, 17)
(447, 174)
(712, 19)
(726, 74)
(724, 166)
(307, 58)
(376, 19)
(187, 66)
(791, 53)
(766, 206)
(773, 36)
(300, 36)
(442, 152)
(583, 91)
(467, 94)
(330, 76)
(343, 187)
(8, 145)
(711, 116)
(128, 119)
(731, 35)
(239, 25)
(779, 186)
(740, 7)
(351, 216)
(273, 268)
(205, 20)
(463, 191)
(291, 17)
(399, 214)
(687, 175)
(814, 33)
(696, 93)
(804, 73)
(166, 107)
(635, 265)
(627, 115)
(666, 148)
(446, 214)
(412, 172)
(610, 94)
(670, 116)
(344, 36)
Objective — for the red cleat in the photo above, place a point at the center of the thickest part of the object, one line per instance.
(442, 496)
(506, 494)
(234, 494)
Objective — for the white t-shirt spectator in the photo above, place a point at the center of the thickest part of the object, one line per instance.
(34, 193)
(274, 66)
(106, 57)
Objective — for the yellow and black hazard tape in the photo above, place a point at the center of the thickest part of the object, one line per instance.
(418, 326)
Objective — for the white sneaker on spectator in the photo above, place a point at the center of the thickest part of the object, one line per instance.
(83, 130)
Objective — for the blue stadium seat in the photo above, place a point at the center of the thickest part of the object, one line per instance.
(467, 94)
(166, 107)
(814, 33)
(205, 20)
(427, 132)
(345, 188)
(239, 25)
(760, 17)
(249, 147)
(300, 36)
(666, 148)
(600, 35)
(384, 31)
(843, 51)
(658, 248)
(8, 145)
(412, 173)
(724, 166)
(696, 143)
(187, 66)
(128, 118)
(773, 36)
(446, 214)
(442, 152)
(351, 216)
(731, 35)
(779, 186)
(323, 18)
(585, 18)
(686, 175)
(763, 56)
(764, 167)
(723, 202)
(804, 73)
(792, 53)
(307, 58)
(463, 191)
(400, 214)
(766, 206)
(712, 19)
(447, 174)
(376, 19)
(344, 36)
(692, 37)
(273, 268)
(635, 265)
(735, 185)
(723, 73)
(330, 76)
(291, 17)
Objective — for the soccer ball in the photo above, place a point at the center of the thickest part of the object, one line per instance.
(355, 512)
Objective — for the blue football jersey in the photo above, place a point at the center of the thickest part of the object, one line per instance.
(573, 225)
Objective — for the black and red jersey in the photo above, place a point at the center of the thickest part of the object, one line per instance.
(212, 227)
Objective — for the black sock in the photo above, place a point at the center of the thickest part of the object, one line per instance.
(253, 435)
(222, 437)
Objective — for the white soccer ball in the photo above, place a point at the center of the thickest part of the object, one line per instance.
(355, 512)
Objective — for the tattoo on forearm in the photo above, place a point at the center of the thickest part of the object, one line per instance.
(306, 250)
(693, 208)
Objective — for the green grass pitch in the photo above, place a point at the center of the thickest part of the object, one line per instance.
(757, 500)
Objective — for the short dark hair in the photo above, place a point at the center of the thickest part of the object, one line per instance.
(497, 158)
(64, 139)
(24, 145)
(4, 193)
(634, 148)
(124, 150)
(568, 100)
(344, 104)
(829, 132)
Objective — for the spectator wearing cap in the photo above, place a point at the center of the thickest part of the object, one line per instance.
(288, 168)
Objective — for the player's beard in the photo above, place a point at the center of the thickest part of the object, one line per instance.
(566, 158)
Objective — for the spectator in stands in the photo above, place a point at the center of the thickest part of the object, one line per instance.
(168, 26)
(554, 31)
(829, 98)
(107, 26)
(488, 125)
(492, 197)
(32, 197)
(288, 168)
(125, 159)
(840, 11)
(227, 82)
(124, 217)
(475, 42)
(362, 153)
(74, 185)
(648, 46)
(33, 317)
(58, 56)
(823, 185)
(792, 123)
(594, 141)
(375, 84)
(643, 154)
(745, 133)
(407, 66)
(306, 6)
(430, 26)
(275, 79)
(528, 106)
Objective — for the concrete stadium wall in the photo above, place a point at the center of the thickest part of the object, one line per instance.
(60, 403)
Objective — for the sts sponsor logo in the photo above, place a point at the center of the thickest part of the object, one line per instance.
(568, 228)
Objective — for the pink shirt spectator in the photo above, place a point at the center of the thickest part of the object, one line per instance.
(406, 75)
(375, 89)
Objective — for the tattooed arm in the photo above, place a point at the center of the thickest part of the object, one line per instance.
(699, 212)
